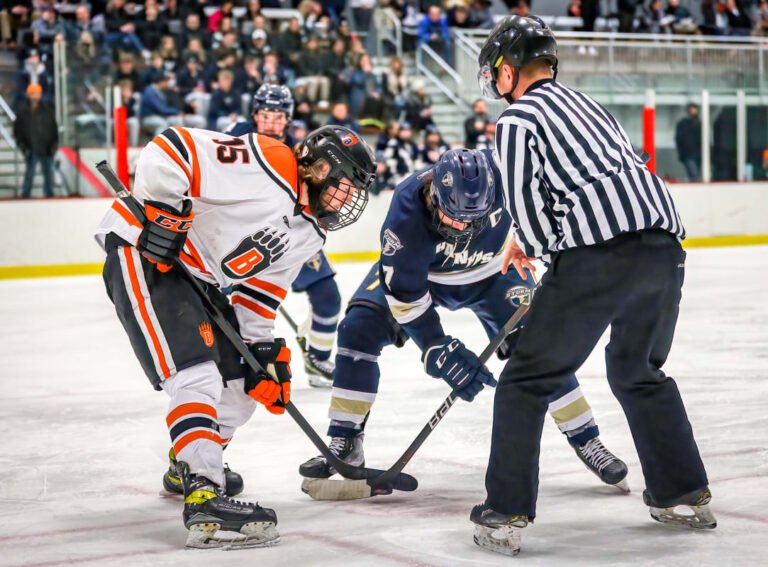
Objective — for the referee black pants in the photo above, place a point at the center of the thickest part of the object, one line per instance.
(632, 283)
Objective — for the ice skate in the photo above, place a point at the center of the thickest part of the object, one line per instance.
(173, 485)
(697, 503)
(215, 520)
(319, 372)
(348, 449)
(607, 466)
(497, 532)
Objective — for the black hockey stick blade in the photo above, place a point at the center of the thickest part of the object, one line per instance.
(344, 469)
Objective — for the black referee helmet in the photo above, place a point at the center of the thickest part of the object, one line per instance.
(518, 40)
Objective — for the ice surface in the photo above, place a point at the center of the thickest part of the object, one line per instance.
(84, 446)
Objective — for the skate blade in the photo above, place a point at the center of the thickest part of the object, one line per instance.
(210, 536)
(623, 486)
(318, 381)
(327, 489)
(699, 518)
(504, 539)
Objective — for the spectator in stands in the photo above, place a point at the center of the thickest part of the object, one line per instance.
(340, 117)
(418, 106)
(334, 65)
(226, 41)
(400, 154)
(724, 145)
(709, 25)
(474, 125)
(688, 142)
(289, 43)
(121, 30)
(298, 130)
(252, 10)
(761, 21)
(227, 60)
(303, 112)
(225, 102)
(362, 11)
(14, 16)
(343, 32)
(190, 77)
(272, 71)
(310, 68)
(193, 30)
(37, 137)
(155, 68)
(311, 12)
(434, 147)
(522, 9)
(395, 85)
(126, 70)
(458, 17)
(169, 53)
(480, 15)
(195, 47)
(155, 112)
(151, 27)
(627, 10)
(251, 79)
(739, 23)
(590, 10)
(682, 20)
(47, 30)
(364, 95)
(33, 71)
(87, 38)
(258, 47)
(258, 23)
(130, 101)
(391, 133)
(433, 31)
(654, 18)
(487, 140)
(225, 11)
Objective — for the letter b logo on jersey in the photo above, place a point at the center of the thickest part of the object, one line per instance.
(255, 253)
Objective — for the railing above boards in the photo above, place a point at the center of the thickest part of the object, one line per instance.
(439, 70)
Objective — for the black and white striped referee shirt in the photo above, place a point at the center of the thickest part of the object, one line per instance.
(571, 176)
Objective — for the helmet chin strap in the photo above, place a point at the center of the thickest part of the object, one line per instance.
(508, 95)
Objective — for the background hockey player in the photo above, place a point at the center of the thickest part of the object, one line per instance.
(272, 112)
(243, 213)
(441, 245)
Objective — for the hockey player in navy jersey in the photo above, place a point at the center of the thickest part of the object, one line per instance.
(272, 111)
(441, 244)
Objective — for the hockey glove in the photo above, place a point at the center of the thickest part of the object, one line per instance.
(459, 366)
(165, 232)
(275, 358)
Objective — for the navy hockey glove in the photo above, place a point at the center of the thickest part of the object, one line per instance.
(165, 232)
(275, 358)
(459, 366)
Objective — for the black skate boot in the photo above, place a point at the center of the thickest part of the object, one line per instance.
(609, 468)
(215, 520)
(348, 449)
(497, 532)
(172, 478)
(319, 372)
(697, 502)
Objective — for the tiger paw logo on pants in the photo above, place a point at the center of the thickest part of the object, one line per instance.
(255, 253)
(206, 332)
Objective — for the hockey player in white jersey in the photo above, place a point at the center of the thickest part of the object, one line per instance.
(240, 213)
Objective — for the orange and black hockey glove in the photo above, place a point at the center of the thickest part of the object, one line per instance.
(165, 232)
(275, 358)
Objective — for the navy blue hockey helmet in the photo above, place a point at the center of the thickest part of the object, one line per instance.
(463, 190)
(273, 97)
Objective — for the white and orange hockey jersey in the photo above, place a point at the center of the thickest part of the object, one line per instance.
(249, 229)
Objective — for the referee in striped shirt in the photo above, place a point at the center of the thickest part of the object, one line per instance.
(584, 203)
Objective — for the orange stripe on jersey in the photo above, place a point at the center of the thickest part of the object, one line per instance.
(188, 409)
(281, 159)
(266, 286)
(127, 251)
(195, 189)
(255, 307)
(195, 436)
(167, 149)
(127, 215)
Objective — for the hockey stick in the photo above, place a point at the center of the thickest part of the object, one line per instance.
(403, 482)
(325, 489)
(291, 322)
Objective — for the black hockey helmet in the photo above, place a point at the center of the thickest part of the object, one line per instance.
(463, 190)
(339, 169)
(273, 97)
(520, 40)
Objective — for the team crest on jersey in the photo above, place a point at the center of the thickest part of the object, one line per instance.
(391, 243)
(518, 295)
(255, 253)
(315, 262)
(207, 333)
